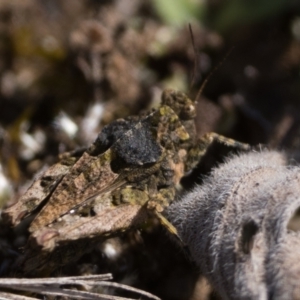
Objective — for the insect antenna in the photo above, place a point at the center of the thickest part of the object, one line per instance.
(196, 60)
(196, 64)
(212, 72)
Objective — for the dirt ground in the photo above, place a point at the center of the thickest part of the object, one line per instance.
(69, 68)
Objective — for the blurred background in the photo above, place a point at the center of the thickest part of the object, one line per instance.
(67, 68)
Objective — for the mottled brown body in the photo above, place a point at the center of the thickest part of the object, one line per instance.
(134, 166)
(88, 176)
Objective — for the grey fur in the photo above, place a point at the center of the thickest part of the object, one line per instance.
(236, 227)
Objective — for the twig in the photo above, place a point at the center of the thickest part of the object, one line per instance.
(51, 286)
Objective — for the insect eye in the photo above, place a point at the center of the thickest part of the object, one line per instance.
(188, 112)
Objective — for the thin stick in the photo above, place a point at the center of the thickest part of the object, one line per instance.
(51, 286)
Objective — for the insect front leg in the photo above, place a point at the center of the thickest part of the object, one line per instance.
(166, 224)
(198, 151)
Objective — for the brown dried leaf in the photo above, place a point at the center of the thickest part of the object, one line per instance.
(110, 220)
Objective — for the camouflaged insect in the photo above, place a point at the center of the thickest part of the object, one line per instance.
(134, 167)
